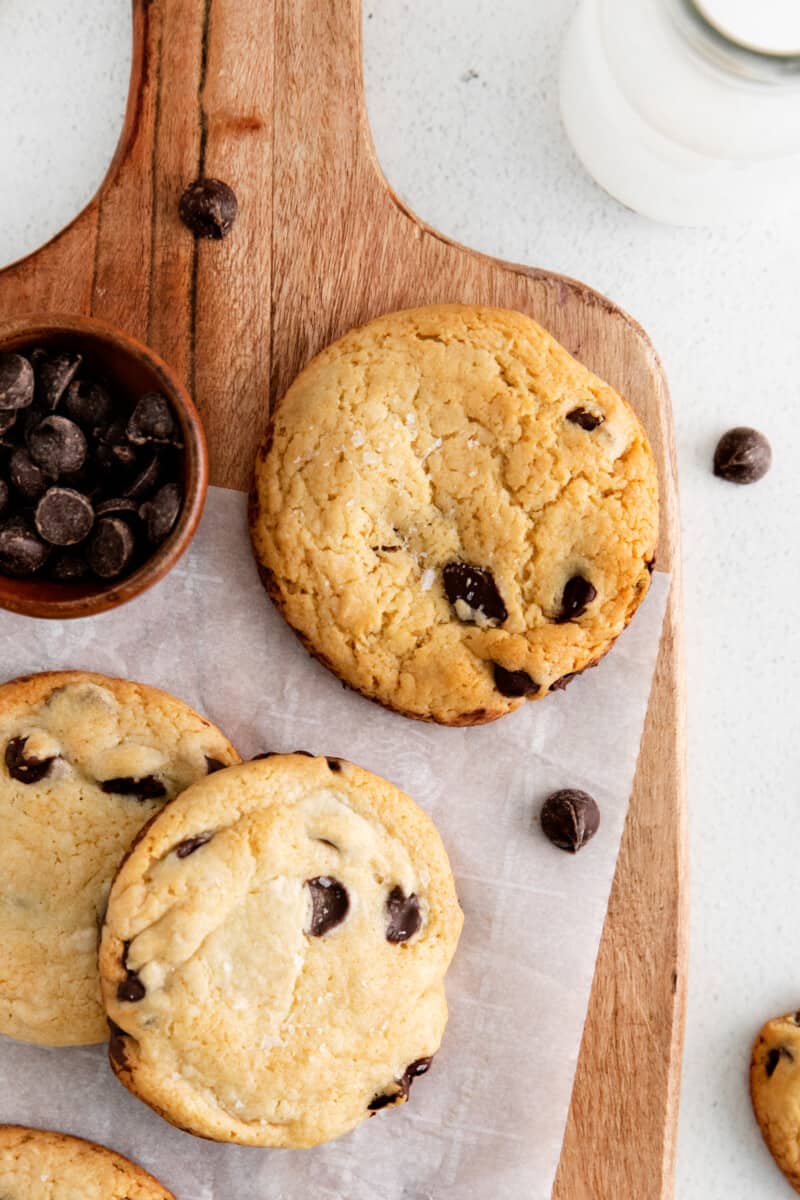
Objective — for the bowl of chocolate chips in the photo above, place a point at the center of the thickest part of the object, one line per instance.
(103, 467)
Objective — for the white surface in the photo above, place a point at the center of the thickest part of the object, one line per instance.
(463, 101)
(771, 25)
(490, 1118)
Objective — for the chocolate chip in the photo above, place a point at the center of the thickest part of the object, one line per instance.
(57, 445)
(570, 818)
(26, 477)
(88, 403)
(113, 453)
(21, 551)
(131, 990)
(16, 381)
(403, 915)
(774, 1056)
(161, 513)
(111, 547)
(25, 770)
(413, 1071)
(513, 683)
(189, 845)
(116, 1044)
(147, 478)
(152, 420)
(69, 567)
(53, 377)
(586, 419)
(384, 1100)
(743, 455)
(329, 904)
(117, 507)
(334, 764)
(577, 596)
(473, 593)
(146, 788)
(213, 764)
(561, 685)
(208, 208)
(64, 517)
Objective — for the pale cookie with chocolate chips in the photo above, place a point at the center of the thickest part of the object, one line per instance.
(36, 1164)
(453, 513)
(274, 952)
(85, 761)
(775, 1091)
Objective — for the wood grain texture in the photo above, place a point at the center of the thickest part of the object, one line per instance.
(269, 97)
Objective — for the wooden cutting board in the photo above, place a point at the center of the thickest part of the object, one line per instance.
(268, 96)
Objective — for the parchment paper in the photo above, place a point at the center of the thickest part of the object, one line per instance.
(488, 1120)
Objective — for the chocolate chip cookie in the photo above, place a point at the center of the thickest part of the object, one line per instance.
(775, 1091)
(38, 1165)
(274, 952)
(84, 762)
(453, 513)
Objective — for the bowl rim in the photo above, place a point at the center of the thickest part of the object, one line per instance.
(46, 326)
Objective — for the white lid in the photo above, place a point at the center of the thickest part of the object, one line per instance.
(771, 26)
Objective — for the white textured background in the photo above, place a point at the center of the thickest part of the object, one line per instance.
(463, 101)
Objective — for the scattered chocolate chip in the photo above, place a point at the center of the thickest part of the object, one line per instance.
(88, 403)
(147, 478)
(513, 683)
(213, 764)
(774, 1056)
(21, 551)
(23, 769)
(189, 845)
(131, 990)
(334, 764)
(586, 419)
(570, 818)
(152, 420)
(147, 788)
(743, 455)
(111, 547)
(16, 381)
(69, 567)
(403, 914)
(384, 1100)
(578, 595)
(473, 593)
(208, 208)
(57, 445)
(161, 513)
(117, 507)
(64, 517)
(53, 377)
(26, 477)
(329, 904)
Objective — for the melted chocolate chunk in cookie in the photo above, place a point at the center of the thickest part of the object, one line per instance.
(329, 904)
(403, 915)
(22, 768)
(578, 595)
(585, 419)
(149, 787)
(513, 683)
(189, 845)
(473, 593)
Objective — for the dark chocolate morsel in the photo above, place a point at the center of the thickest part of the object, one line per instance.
(117, 507)
(69, 567)
(476, 587)
(21, 551)
(329, 904)
(586, 419)
(110, 548)
(147, 788)
(112, 452)
(577, 596)
(161, 513)
(208, 208)
(152, 420)
(334, 764)
(513, 683)
(16, 381)
(64, 517)
(24, 474)
(213, 764)
(774, 1056)
(25, 770)
(403, 915)
(420, 1066)
(57, 445)
(146, 480)
(561, 685)
(384, 1100)
(53, 377)
(88, 403)
(4, 496)
(570, 818)
(743, 455)
(131, 990)
(189, 845)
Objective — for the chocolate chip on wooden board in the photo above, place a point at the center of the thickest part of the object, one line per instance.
(208, 208)
(743, 455)
(570, 818)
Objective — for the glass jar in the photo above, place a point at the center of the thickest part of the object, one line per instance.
(688, 112)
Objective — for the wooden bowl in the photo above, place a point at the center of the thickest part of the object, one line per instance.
(134, 369)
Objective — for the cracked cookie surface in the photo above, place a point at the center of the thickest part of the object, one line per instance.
(36, 1164)
(274, 952)
(453, 513)
(775, 1091)
(85, 761)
